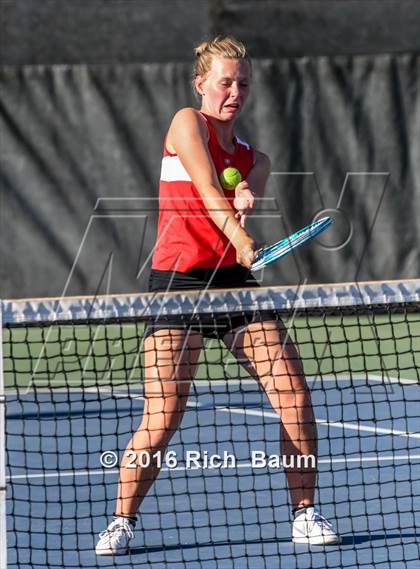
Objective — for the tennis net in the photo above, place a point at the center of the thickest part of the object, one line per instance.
(74, 375)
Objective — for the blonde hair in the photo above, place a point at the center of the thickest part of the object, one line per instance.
(222, 46)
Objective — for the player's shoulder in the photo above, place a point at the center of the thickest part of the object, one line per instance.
(188, 116)
(262, 159)
(186, 123)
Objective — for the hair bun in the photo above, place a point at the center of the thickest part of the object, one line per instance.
(200, 49)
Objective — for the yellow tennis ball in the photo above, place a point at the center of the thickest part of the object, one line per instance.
(230, 178)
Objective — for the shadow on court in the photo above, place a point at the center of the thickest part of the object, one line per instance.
(345, 541)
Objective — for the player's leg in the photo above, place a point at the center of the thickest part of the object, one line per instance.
(270, 356)
(170, 358)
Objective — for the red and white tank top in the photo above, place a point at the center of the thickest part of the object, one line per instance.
(187, 238)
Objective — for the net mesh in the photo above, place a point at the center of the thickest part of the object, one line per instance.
(76, 372)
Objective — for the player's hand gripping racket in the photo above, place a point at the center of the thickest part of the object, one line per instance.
(281, 248)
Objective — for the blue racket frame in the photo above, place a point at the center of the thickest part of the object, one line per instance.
(273, 252)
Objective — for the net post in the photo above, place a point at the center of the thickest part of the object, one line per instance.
(3, 526)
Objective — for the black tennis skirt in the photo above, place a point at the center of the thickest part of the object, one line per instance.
(210, 326)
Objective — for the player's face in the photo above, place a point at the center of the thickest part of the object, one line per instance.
(225, 88)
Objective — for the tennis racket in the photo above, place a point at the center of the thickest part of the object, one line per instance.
(281, 248)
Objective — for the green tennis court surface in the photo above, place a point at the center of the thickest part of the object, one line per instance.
(62, 356)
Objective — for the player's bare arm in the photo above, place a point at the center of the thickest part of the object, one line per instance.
(188, 137)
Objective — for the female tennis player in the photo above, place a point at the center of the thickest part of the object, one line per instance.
(202, 242)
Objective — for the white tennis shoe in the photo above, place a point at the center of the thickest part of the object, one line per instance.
(310, 527)
(115, 539)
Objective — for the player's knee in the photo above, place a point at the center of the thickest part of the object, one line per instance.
(295, 402)
(159, 439)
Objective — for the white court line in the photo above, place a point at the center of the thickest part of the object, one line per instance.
(378, 430)
(386, 379)
(355, 459)
(336, 424)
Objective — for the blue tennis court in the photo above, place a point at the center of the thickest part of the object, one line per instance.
(233, 517)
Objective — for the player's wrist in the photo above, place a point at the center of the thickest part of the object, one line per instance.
(243, 241)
